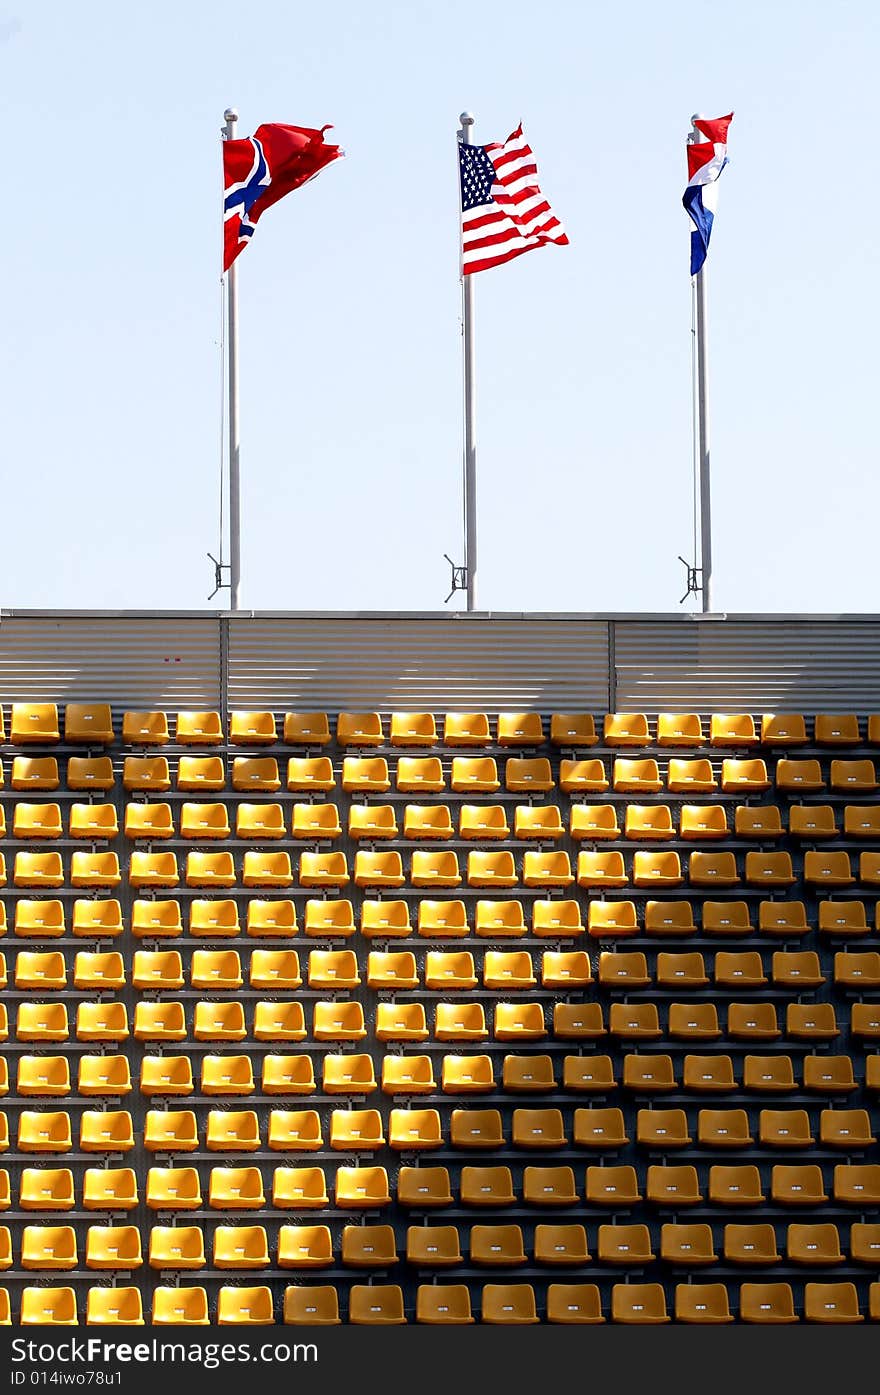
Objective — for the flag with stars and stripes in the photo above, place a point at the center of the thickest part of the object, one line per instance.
(503, 212)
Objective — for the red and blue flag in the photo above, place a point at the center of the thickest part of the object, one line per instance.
(706, 160)
(260, 170)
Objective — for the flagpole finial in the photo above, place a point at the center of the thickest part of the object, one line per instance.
(230, 114)
(467, 118)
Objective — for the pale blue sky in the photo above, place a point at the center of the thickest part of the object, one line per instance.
(350, 305)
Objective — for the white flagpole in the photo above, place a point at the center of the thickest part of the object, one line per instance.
(470, 448)
(230, 116)
(701, 401)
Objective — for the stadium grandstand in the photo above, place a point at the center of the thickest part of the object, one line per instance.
(439, 969)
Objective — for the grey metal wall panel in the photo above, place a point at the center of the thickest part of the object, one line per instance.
(775, 664)
(411, 662)
(129, 661)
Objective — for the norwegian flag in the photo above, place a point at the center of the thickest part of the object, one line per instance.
(706, 160)
(503, 212)
(260, 170)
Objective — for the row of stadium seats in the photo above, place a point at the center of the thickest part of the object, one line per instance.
(92, 724)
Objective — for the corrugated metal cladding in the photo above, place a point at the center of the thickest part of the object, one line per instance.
(775, 665)
(409, 663)
(129, 661)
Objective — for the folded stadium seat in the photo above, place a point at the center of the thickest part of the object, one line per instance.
(449, 970)
(266, 821)
(489, 868)
(588, 1074)
(797, 969)
(861, 821)
(699, 821)
(782, 918)
(594, 821)
(376, 1305)
(582, 777)
(732, 729)
(311, 1306)
(34, 722)
(147, 775)
(601, 869)
(476, 1128)
(680, 971)
(342, 1021)
(812, 821)
(180, 1307)
(635, 776)
(214, 919)
(425, 821)
(304, 1247)
(39, 919)
(634, 1021)
(258, 869)
(88, 724)
(799, 1185)
(413, 729)
(673, 1186)
(435, 868)
(385, 919)
(831, 1303)
(166, 1075)
(292, 1075)
(392, 970)
(762, 821)
(502, 969)
(299, 1188)
(494, 919)
(679, 729)
(813, 1244)
(578, 1021)
(770, 868)
(89, 773)
(199, 729)
(145, 729)
(311, 821)
(705, 1304)
(216, 968)
(252, 728)
(227, 1075)
(48, 1307)
(237, 1131)
(408, 1075)
(94, 869)
(690, 776)
(332, 968)
(467, 1075)
(669, 918)
(713, 869)
(43, 869)
(359, 729)
(811, 1021)
(542, 869)
(519, 1021)
(36, 821)
(752, 1022)
(625, 971)
(109, 1189)
(625, 729)
(497, 1245)
(573, 729)
(364, 774)
(306, 729)
(355, 1130)
(329, 919)
(768, 1074)
(46, 1189)
(483, 821)
(599, 1128)
(35, 773)
(724, 1128)
(177, 1247)
(693, 1022)
(527, 775)
(101, 1022)
(708, 1074)
(857, 1184)
(799, 776)
(457, 1021)
(829, 1074)
(727, 918)
(836, 729)
(738, 1185)
(377, 868)
(480, 1186)
(110, 1131)
(661, 1129)
(40, 971)
(315, 869)
(860, 971)
(649, 822)
(361, 1187)
(843, 918)
(643, 1304)
(869, 868)
(828, 869)
(342, 1074)
(441, 1304)
(565, 968)
(754, 1245)
(414, 1130)
(477, 774)
(160, 869)
(865, 1021)
(766, 1303)
(309, 773)
(783, 729)
(659, 868)
(419, 775)
(96, 822)
(538, 1128)
(509, 1305)
(98, 970)
(520, 729)
(114, 1307)
(854, 774)
(648, 1074)
(540, 821)
(245, 1307)
(155, 919)
(113, 1247)
(42, 1075)
(171, 1131)
(744, 776)
(403, 1022)
(525, 1074)
(249, 773)
(688, 1245)
(159, 1021)
(466, 729)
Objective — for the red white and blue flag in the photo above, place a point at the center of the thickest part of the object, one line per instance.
(503, 212)
(706, 160)
(260, 170)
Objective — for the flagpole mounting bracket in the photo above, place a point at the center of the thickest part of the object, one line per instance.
(694, 580)
(459, 578)
(219, 569)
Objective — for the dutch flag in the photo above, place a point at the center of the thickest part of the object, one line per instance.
(706, 160)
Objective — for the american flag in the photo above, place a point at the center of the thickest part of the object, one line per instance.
(503, 212)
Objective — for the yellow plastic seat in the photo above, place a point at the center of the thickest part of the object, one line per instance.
(744, 776)
(34, 722)
(797, 969)
(732, 729)
(634, 1021)
(254, 773)
(365, 774)
(35, 773)
(625, 729)
(573, 729)
(577, 1021)
(702, 821)
(680, 971)
(861, 821)
(166, 1075)
(95, 869)
(299, 1188)
(758, 821)
(98, 970)
(378, 868)
(342, 1021)
(690, 776)
(419, 775)
(445, 971)
(408, 1075)
(679, 729)
(401, 1022)
(96, 822)
(782, 918)
(414, 1130)
(306, 729)
(106, 1131)
(466, 729)
(669, 918)
(241, 1247)
(713, 869)
(156, 869)
(385, 919)
(40, 971)
(177, 1247)
(245, 1307)
(333, 968)
(43, 1075)
(359, 729)
(491, 868)
(525, 776)
(216, 919)
(216, 968)
(498, 919)
(36, 821)
(497, 1245)
(662, 1129)
(433, 868)
(379, 1305)
(600, 1128)
(459, 1022)
(39, 919)
(48, 1307)
(769, 869)
(812, 821)
(836, 729)
(612, 1186)
(227, 1075)
(783, 729)
(329, 919)
(372, 821)
(467, 1075)
(519, 1021)
(252, 728)
(113, 1247)
(507, 970)
(752, 1022)
(90, 773)
(199, 728)
(648, 1074)
(611, 919)
(305, 1247)
(859, 775)
(556, 919)
(315, 868)
(413, 729)
(565, 969)
(33, 869)
(771, 1074)
(155, 919)
(109, 1189)
(310, 821)
(827, 869)
(311, 1306)
(46, 1189)
(544, 869)
(601, 869)
(145, 729)
(520, 729)
(235, 1132)
(785, 1128)
(474, 774)
(648, 822)
(659, 868)
(289, 1075)
(147, 774)
(171, 1131)
(89, 724)
(476, 1128)
(636, 776)
(799, 775)
(348, 1075)
(582, 777)
(847, 1129)
(310, 773)
(433, 1246)
(392, 970)
(258, 869)
(199, 821)
(594, 821)
(674, 1187)
(271, 919)
(101, 1022)
(41, 1022)
(362, 1187)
